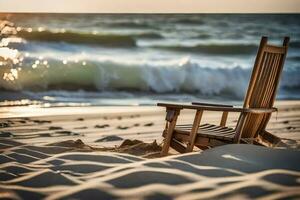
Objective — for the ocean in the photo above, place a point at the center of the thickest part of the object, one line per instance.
(138, 59)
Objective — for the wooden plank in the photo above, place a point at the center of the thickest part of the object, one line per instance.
(211, 104)
(184, 134)
(202, 141)
(211, 108)
(200, 107)
(270, 86)
(190, 125)
(274, 49)
(251, 141)
(258, 60)
(212, 129)
(177, 146)
(268, 137)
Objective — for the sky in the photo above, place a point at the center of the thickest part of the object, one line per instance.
(152, 6)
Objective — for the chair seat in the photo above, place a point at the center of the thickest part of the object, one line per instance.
(208, 131)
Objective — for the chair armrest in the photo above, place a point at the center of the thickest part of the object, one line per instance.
(217, 108)
(200, 107)
(211, 104)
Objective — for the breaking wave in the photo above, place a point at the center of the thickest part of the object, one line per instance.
(109, 40)
(111, 76)
(223, 49)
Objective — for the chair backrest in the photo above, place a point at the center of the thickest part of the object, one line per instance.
(263, 85)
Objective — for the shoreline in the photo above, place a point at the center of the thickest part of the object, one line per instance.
(33, 124)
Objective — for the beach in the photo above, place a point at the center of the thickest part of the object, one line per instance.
(113, 152)
(78, 114)
(108, 126)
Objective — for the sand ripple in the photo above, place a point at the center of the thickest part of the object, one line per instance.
(232, 171)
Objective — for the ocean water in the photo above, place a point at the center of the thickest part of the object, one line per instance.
(118, 59)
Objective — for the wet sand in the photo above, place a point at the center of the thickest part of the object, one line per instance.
(84, 152)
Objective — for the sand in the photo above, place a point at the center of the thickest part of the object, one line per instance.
(230, 171)
(112, 152)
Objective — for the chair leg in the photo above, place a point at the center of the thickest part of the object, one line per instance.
(171, 127)
(239, 127)
(194, 131)
(224, 118)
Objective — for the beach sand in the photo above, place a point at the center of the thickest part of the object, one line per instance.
(93, 152)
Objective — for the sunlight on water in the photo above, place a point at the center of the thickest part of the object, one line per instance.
(11, 76)
(7, 41)
(7, 53)
(40, 29)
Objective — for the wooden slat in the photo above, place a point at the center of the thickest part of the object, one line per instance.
(211, 108)
(256, 68)
(199, 140)
(274, 49)
(270, 86)
(218, 131)
(228, 135)
(259, 83)
(211, 104)
(218, 134)
(208, 136)
(209, 129)
(267, 75)
(200, 107)
(286, 40)
(205, 127)
(190, 125)
(270, 138)
(177, 146)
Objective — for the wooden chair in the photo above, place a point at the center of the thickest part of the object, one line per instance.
(254, 115)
